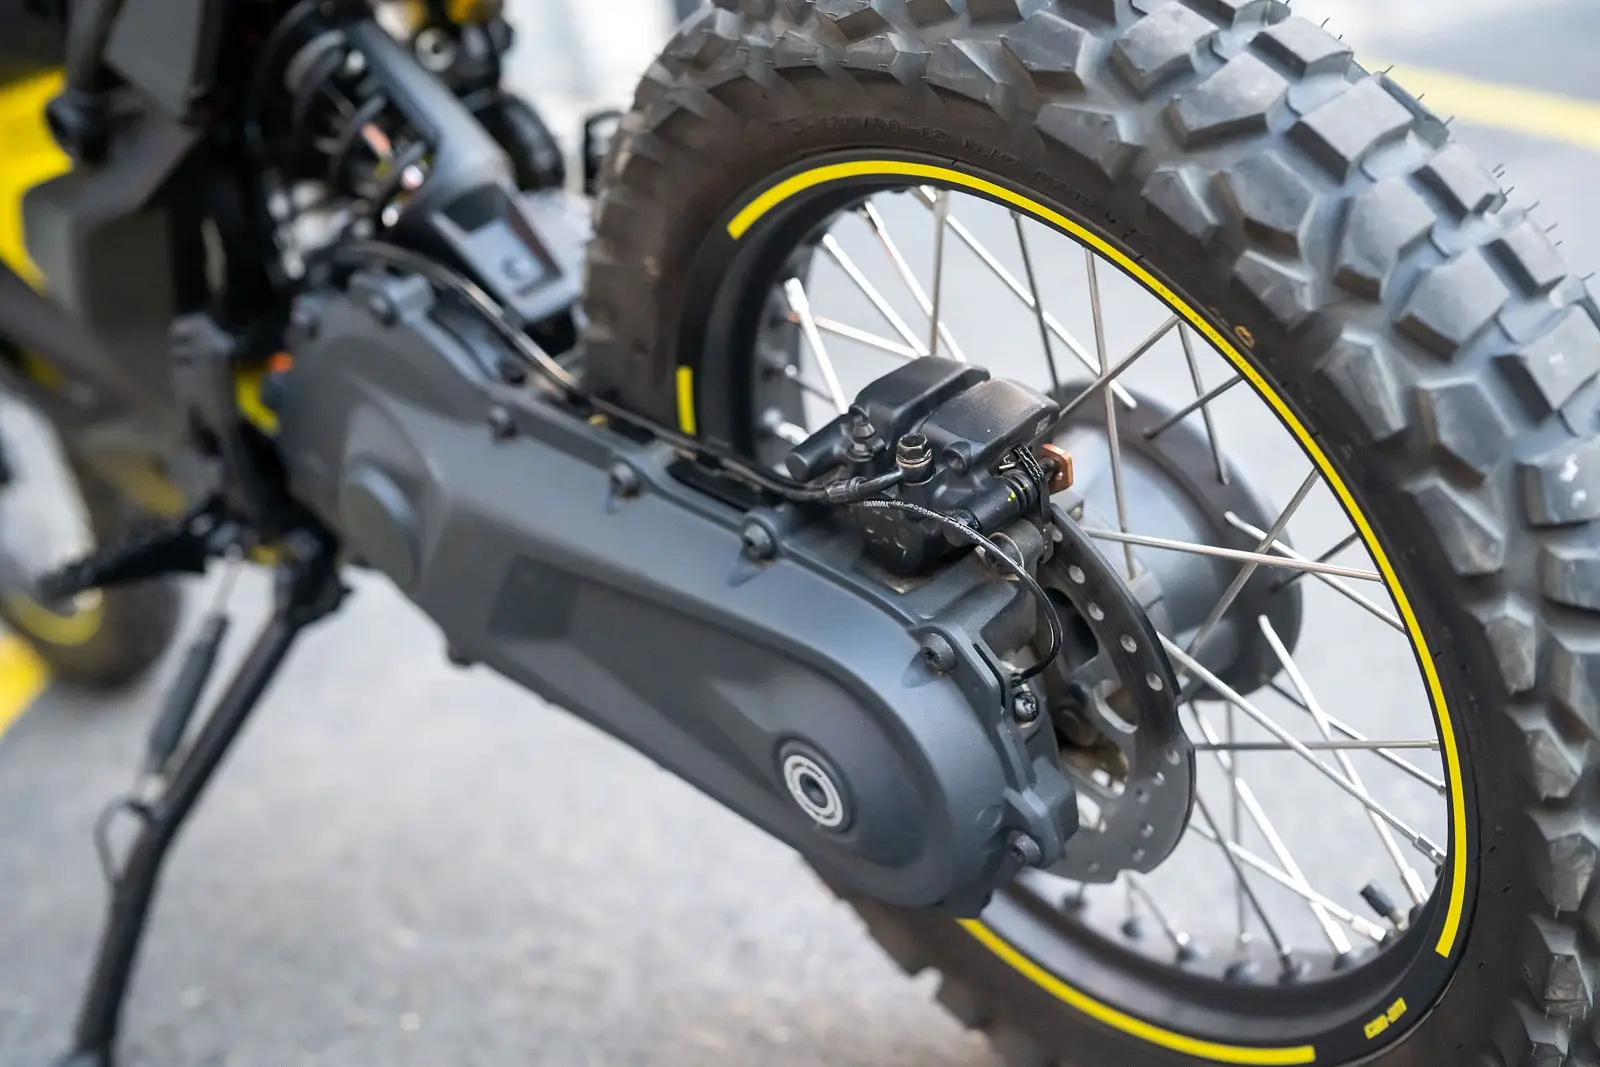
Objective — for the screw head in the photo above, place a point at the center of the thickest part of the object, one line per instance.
(938, 654)
(624, 479)
(512, 372)
(1024, 848)
(1025, 707)
(501, 424)
(758, 542)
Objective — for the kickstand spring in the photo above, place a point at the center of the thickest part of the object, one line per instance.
(308, 589)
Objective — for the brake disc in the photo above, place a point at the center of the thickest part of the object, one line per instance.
(1130, 758)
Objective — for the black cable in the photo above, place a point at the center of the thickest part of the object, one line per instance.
(1051, 617)
(854, 491)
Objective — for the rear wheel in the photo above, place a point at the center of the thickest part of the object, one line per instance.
(1310, 344)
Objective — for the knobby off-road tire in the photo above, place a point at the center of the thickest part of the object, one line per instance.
(1426, 333)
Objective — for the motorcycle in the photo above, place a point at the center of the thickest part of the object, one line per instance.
(302, 283)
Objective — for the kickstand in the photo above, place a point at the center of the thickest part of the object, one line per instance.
(308, 588)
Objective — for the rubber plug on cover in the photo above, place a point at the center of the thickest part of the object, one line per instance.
(380, 522)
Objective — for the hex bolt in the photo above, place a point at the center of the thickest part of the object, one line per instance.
(757, 541)
(1025, 707)
(512, 372)
(501, 424)
(913, 456)
(863, 439)
(381, 308)
(1024, 848)
(938, 654)
(624, 479)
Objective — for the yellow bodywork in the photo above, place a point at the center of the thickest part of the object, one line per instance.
(28, 156)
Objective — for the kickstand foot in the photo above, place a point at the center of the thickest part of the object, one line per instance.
(308, 588)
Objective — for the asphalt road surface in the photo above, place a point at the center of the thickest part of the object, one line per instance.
(404, 863)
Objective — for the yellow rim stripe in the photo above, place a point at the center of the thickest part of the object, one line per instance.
(1189, 1046)
(884, 168)
(686, 421)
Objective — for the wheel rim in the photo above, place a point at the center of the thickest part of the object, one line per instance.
(43, 525)
(833, 218)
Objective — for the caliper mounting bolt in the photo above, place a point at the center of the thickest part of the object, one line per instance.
(914, 457)
(938, 654)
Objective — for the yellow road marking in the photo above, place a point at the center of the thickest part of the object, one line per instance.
(22, 678)
(1553, 116)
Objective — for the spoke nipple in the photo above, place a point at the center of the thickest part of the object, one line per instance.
(1344, 961)
(1293, 970)
(1189, 952)
(1133, 929)
(1241, 971)
(1073, 903)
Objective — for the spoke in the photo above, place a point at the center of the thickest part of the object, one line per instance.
(941, 215)
(892, 250)
(1332, 583)
(1434, 853)
(865, 337)
(1205, 412)
(773, 422)
(1258, 815)
(1315, 746)
(1197, 404)
(1388, 756)
(1363, 926)
(792, 373)
(1110, 375)
(1235, 587)
(796, 292)
(1244, 885)
(1038, 307)
(1236, 824)
(1113, 441)
(830, 245)
(1344, 542)
(1281, 562)
(1408, 873)
(1010, 282)
(1180, 940)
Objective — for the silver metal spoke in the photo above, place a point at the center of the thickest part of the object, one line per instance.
(773, 422)
(860, 336)
(1236, 586)
(1197, 404)
(796, 292)
(1205, 412)
(1333, 583)
(1423, 844)
(1408, 873)
(1315, 746)
(1385, 752)
(1281, 562)
(1361, 925)
(1236, 826)
(1244, 885)
(1180, 940)
(792, 373)
(1038, 307)
(1258, 815)
(903, 268)
(1344, 542)
(1113, 441)
(941, 215)
(830, 245)
(1108, 376)
(1010, 282)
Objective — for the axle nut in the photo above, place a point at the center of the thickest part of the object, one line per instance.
(814, 791)
(1060, 462)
